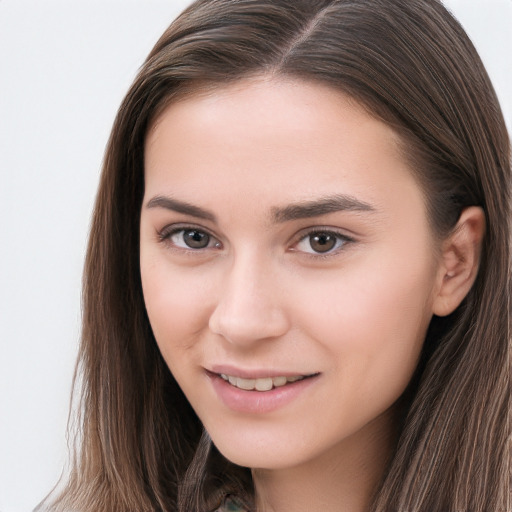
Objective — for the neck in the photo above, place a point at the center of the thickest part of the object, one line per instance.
(344, 478)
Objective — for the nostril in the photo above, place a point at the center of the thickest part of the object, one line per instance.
(248, 306)
(241, 325)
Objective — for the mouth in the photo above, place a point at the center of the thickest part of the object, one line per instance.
(263, 384)
(259, 391)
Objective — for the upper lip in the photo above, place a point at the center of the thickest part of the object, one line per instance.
(260, 373)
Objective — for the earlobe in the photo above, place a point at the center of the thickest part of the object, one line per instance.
(459, 261)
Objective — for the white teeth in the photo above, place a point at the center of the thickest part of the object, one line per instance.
(279, 381)
(264, 384)
(247, 384)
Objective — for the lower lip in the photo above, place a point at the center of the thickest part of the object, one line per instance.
(259, 402)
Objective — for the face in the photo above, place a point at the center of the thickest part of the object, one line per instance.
(287, 266)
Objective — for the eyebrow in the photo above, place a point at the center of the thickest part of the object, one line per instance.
(180, 207)
(300, 210)
(318, 207)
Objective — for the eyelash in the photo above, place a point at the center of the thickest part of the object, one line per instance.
(165, 235)
(341, 240)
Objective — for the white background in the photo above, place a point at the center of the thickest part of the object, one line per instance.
(64, 68)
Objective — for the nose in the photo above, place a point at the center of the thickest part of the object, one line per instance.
(249, 307)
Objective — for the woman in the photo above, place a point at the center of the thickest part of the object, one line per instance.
(297, 278)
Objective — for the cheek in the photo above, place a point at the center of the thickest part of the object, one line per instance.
(175, 301)
(372, 318)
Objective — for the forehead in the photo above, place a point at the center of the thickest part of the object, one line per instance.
(285, 103)
(284, 140)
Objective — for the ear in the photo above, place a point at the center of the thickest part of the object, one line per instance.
(459, 261)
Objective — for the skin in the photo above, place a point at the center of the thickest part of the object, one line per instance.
(259, 298)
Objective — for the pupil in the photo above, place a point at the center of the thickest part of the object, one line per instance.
(196, 239)
(322, 242)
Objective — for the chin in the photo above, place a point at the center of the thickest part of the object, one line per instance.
(266, 450)
(258, 459)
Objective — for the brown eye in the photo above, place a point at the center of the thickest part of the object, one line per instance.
(322, 242)
(190, 238)
(196, 239)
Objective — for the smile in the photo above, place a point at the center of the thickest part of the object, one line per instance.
(262, 384)
(257, 392)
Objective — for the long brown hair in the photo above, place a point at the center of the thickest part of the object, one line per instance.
(409, 63)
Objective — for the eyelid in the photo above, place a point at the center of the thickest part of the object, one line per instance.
(164, 235)
(306, 232)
